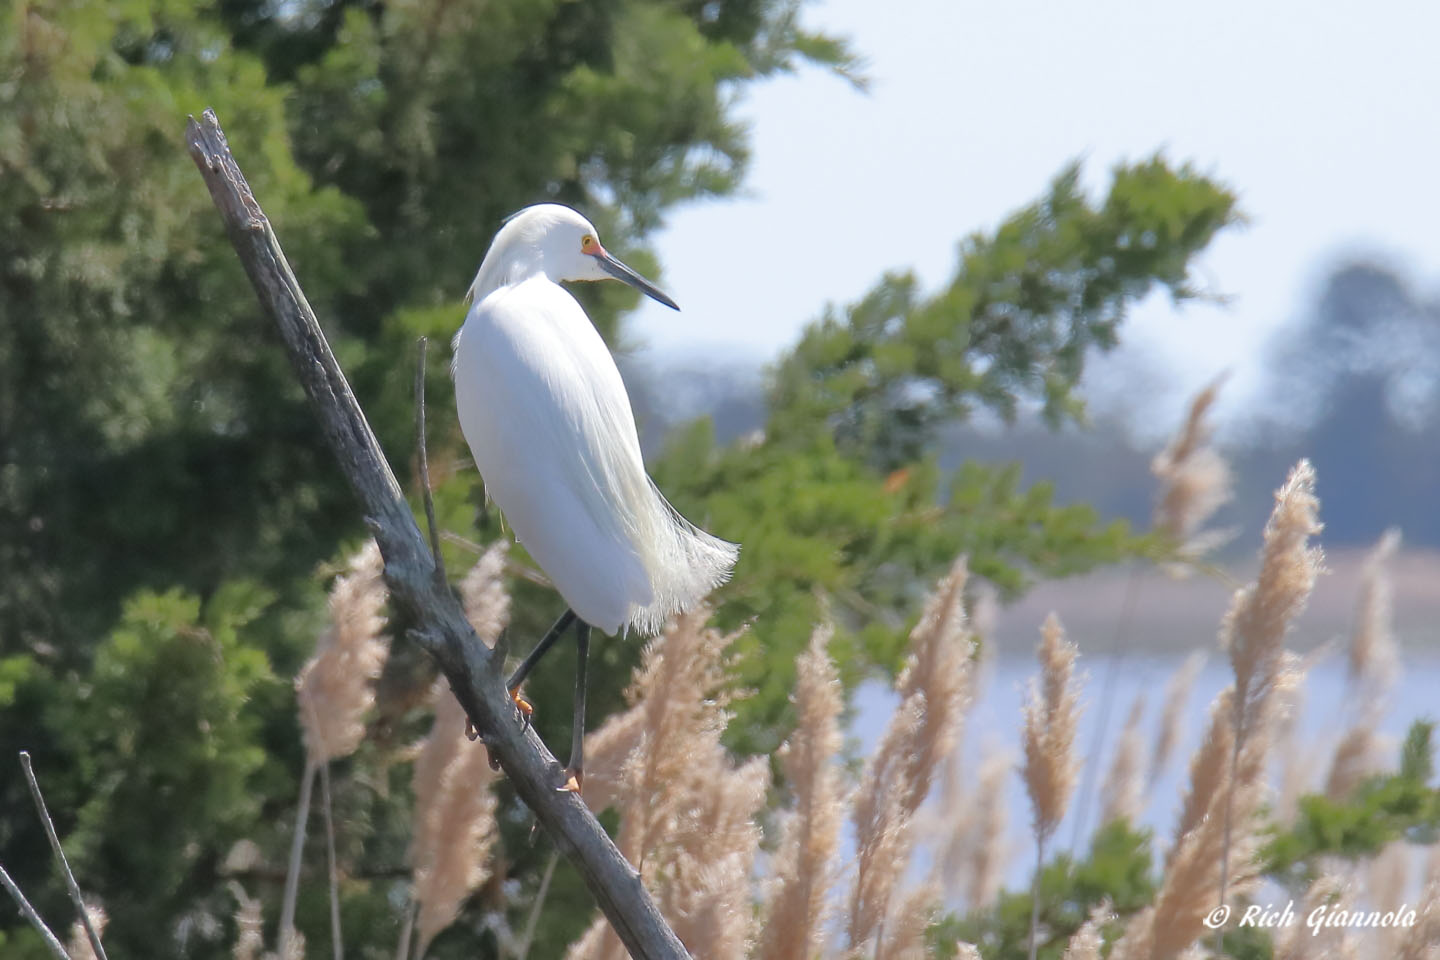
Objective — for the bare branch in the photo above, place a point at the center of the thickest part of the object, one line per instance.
(337, 945)
(70, 884)
(424, 461)
(441, 628)
(28, 912)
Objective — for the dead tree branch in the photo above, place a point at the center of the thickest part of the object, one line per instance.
(74, 888)
(441, 629)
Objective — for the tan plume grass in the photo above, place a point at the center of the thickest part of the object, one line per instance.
(1217, 836)
(1123, 794)
(249, 939)
(976, 847)
(78, 945)
(1373, 664)
(1052, 715)
(1422, 940)
(1194, 480)
(334, 691)
(336, 687)
(884, 831)
(1357, 756)
(454, 821)
(1086, 943)
(1373, 659)
(1387, 881)
(803, 866)
(1209, 768)
(1254, 628)
(904, 935)
(687, 811)
(1299, 941)
(1199, 858)
(1253, 632)
(1172, 720)
(934, 692)
(484, 596)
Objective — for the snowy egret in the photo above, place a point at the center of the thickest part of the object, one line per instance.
(549, 423)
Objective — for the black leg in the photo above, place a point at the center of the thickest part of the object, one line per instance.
(546, 642)
(577, 733)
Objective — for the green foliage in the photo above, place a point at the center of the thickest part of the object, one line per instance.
(1117, 871)
(153, 764)
(165, 500)
(1026, 305)
(842, 511)
(1400, 805)
(150, 433)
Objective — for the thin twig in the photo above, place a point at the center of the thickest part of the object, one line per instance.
(1035, 895)
(74, 888)
(402, 949)
(534, 920)
(424, 462)
(441, 630)
(1119, 650)
(297, 852)
(28, 912)
(338, 944)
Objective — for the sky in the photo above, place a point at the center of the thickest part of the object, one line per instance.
(1320, 114)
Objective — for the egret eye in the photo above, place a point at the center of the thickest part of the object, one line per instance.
(587, 244)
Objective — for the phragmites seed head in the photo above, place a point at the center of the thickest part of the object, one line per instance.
(454, 820)
(1374, 661)
(1253, 633)
(249, 940)
(688, 812)
(1194, 480)
(803, 864)
(1123, 794)
(1086, 942)
(336, 687)
(1177, 696)
(483, 594)
(1051, 718)
(79, 946)
(934, 691)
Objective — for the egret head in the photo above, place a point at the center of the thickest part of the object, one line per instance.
(563, 244)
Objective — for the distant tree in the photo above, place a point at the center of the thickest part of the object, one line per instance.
(843, 498)
(1358, 391)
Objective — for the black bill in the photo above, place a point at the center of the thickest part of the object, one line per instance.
(619, 271)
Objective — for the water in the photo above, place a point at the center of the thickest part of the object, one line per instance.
(994, 724)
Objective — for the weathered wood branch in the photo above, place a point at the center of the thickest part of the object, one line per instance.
(442, 630)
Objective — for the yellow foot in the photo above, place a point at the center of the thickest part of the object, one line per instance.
(573, 779)
(523, 705)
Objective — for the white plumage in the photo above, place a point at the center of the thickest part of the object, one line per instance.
(549, 423)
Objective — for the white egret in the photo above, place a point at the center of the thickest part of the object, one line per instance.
(549, 423)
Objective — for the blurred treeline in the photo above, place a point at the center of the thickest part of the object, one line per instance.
(1352, 383)
(168, 513)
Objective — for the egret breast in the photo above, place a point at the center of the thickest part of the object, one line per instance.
(540, 420)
